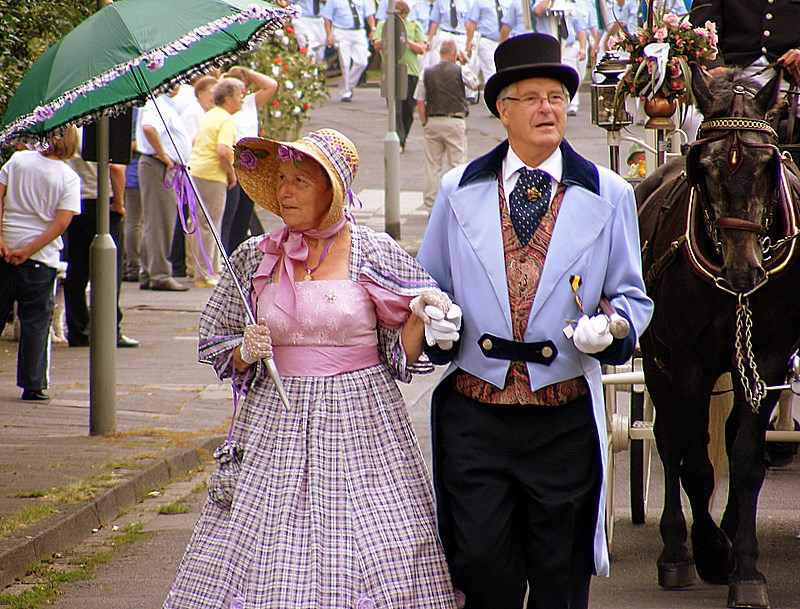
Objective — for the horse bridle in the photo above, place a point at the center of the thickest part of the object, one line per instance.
(731, 128)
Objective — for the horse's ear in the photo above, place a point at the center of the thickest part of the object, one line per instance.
(766, 97)
(700, 90)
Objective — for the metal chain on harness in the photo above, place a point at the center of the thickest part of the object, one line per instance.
(745, 360)
(767, 246)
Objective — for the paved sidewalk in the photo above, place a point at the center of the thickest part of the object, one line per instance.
(171, 410)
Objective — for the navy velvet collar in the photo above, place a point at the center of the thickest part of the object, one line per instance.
(577, 170)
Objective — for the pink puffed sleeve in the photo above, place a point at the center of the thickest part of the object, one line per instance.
(391, 308)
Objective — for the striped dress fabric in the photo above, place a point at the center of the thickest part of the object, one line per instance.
(333, 509)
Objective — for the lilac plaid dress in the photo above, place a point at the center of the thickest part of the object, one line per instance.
(333, 509)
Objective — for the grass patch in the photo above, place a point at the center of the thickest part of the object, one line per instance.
(176, 507)
(29, 495)
(51, 573)
(26, 517)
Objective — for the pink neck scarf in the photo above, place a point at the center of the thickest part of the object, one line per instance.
(288, 245)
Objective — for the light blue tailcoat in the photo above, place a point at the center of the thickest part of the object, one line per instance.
(596, 236)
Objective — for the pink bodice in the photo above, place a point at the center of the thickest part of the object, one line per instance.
(335, 329)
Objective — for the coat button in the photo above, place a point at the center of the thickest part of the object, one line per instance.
(487, 344)
(547, 352)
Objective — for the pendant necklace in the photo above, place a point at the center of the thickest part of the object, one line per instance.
(321, 258)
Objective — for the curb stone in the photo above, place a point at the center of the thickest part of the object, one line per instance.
(74, 522)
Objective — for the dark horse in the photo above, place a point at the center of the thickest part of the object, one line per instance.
(718, 229)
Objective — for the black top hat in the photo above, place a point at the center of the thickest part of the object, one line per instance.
(528, 56)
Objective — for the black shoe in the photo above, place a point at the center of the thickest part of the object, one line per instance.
(144, 285)
(83, 341)
(131, 276)
(125, 341)
(35, 395)
(167, 285)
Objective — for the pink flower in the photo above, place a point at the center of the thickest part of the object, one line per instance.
(701, 32)
(677, 85)
(660, 34)
(247, 159)
(686, 24)
(671, 19)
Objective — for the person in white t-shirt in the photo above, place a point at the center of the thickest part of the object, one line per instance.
(259, 89)
(39, 195)
(204, 101)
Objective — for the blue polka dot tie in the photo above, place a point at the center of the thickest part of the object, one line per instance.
(529, 202)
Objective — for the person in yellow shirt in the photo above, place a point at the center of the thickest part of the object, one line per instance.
(211, 163)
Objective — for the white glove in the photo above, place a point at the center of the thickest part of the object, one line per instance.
(257, 343)
(442, 329)
(426, 298)
(592, 334)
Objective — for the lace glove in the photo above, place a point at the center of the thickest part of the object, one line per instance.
(435, 298)
(443, 328)
(257, 343)
(592, 334)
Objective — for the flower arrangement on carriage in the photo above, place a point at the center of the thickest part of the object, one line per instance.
(660, 54)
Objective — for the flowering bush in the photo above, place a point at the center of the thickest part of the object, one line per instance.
(660, 55)
(301, 84)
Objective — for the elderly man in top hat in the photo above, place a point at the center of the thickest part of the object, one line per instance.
(531, 240)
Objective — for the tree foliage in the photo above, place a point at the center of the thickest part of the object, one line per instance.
(27, 29)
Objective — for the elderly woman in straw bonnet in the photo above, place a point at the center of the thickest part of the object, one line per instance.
(332, 507)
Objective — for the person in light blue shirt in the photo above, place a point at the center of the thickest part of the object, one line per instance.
(344, 27)
(486, 18)
(421, 12)
(309, 26)
(575, 47)
(449, 20)
(513, 24)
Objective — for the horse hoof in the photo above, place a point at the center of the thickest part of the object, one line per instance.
(676, 574)
(748, 594)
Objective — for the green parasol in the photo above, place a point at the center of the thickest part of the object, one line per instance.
(128, 51)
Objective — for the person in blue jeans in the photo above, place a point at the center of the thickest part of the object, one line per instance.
(39, 195)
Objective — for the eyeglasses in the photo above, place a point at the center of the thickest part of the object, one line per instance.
(534, 102)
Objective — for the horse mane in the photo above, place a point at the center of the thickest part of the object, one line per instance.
(721, 87)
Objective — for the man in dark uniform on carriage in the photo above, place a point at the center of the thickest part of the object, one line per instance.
(524, 238)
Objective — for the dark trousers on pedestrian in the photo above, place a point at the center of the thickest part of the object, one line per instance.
(236, 219)
(80, 233)
(517, 489)
(32, 285)
(405, 111)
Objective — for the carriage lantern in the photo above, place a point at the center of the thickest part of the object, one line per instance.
(605, 79)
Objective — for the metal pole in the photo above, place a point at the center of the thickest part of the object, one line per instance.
(103, 301)
(391, 144)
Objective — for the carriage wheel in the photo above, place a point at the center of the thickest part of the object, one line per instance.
(641, 452)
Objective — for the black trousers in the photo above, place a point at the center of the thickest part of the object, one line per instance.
(236, 218)
(80, 233)
(32, 285)
(517, 489)
(404, 111)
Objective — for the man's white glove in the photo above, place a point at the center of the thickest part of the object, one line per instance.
(592, 334)
(426, 298)
(443, 328)
(257, 343)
